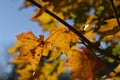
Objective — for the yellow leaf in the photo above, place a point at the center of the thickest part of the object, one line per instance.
(45, 20)
(110, 30)
(115, 36)
(90, 35)
(87, 28)
(41, 77)
(61, 38)
(111, 24)
(19, 63)
(74, 37)
(53, 70)
(15, 48)
(55, 53)
(53, 77)
(62, 67)
(31, 48)
(24, 73)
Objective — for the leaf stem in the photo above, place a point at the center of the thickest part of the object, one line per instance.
(115, 12)
(82, 38)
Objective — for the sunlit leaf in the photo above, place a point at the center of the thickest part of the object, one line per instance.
(51, 70)
(42, 58)
(55, 53)
(31, 48)
(24, 73)
(45, 20)
(62, 38)
(110, 30)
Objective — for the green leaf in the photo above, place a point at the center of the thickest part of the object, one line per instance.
(116, 50)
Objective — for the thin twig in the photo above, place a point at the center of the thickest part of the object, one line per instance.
(115, 12)
(84, 39)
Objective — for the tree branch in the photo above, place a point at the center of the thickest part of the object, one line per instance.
(82, 38)
(115, 12)
(108, 66)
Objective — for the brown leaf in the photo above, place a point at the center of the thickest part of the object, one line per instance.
(84, 65)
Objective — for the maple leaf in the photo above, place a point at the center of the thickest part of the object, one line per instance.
(84, 65)
(15, 48)
(111, 30)
(77, 70)
(55, 53)
(28, 43)
(87, 28)
(32, 48)
(62, 39)
(24, 73)
(45, 21)
(24, 70)
(98, 64)
(110, 27)
(16, 61)
(90, 35)
(74, 9)
(50, 70)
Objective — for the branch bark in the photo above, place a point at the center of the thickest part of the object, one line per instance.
(82, 38)
(115, 12)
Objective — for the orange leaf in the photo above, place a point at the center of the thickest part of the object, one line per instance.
(32, 48)
(84, 65)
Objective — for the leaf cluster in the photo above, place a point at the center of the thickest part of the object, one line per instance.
(47, 59)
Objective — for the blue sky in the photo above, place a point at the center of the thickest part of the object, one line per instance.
(12, 22)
